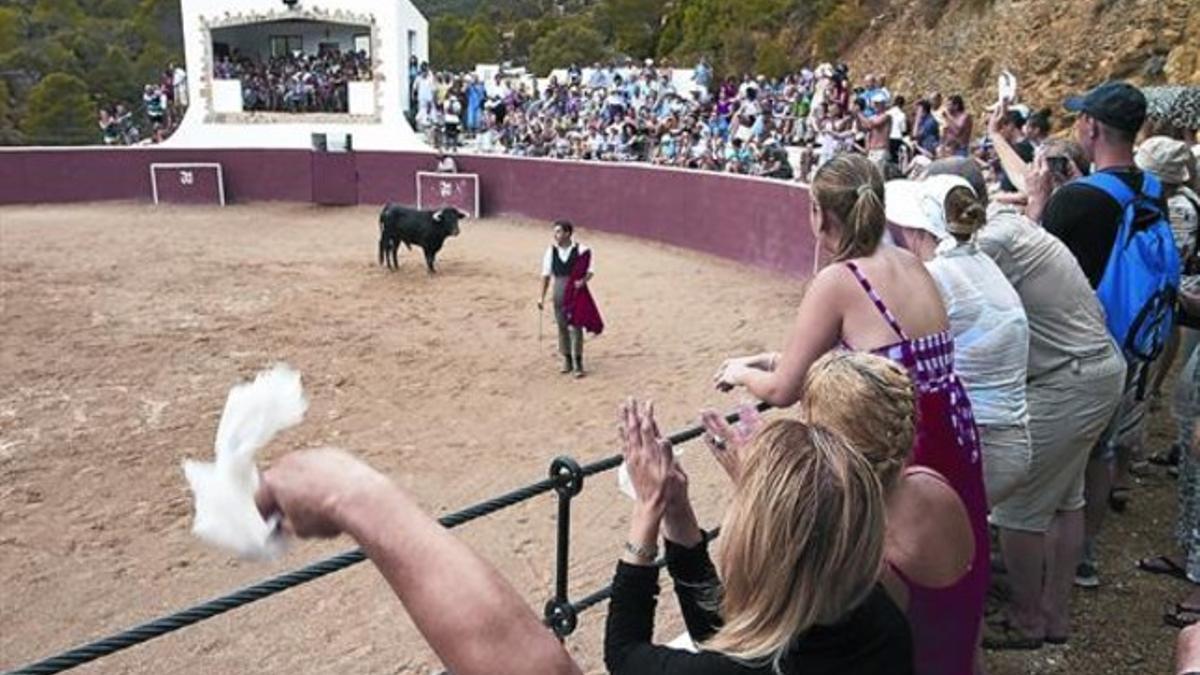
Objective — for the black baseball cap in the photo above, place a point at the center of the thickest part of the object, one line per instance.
(1118, 104)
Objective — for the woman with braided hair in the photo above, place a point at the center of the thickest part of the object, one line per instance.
(881, 299)
(870, 401)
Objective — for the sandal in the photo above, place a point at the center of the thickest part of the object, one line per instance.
(999, 634)
(1182, 616)
(1162, 565)
(1118, 498)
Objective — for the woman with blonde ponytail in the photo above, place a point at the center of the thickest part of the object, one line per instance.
(881, 299)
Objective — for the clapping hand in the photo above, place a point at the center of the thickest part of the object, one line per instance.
(727, 442)
(658, 481)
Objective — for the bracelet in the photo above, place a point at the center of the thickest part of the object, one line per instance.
(649, 553)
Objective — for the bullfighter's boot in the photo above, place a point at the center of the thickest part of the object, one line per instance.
(579, 367)
(568, 365)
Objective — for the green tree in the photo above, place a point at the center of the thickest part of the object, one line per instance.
(11, 29)
(9, 134)
(631, 26)
(60, 112)
(524, 34)
(161, 22)
(114, 77)
(771, 58)
(53, 15)
(87, 46)
(116, 9)
(739, 52)
(151, 62)
(480, 44)
(445, 32)
(571, 42)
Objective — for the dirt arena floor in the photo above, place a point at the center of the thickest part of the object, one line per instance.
(123, 327)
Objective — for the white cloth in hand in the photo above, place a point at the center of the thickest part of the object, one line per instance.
(625, 484)
(226, 515)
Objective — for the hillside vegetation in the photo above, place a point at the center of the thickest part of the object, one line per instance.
(61, 59)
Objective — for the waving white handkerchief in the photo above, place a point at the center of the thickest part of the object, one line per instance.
(226, 515)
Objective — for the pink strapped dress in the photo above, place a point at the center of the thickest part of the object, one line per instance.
(946, 621)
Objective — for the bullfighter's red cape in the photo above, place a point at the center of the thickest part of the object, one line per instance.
(580, 308)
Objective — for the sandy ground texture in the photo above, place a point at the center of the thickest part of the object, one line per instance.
(123, 327)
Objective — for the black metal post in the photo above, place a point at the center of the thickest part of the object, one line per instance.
(567, 477)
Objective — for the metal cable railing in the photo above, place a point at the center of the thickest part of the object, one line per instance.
(560, 614)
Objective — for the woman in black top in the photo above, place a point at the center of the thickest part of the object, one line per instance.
(800, 557)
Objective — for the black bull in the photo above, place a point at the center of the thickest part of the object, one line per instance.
(427, 229)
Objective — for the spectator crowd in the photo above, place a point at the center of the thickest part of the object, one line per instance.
(740, 125)
(162, 106)
(296, 82)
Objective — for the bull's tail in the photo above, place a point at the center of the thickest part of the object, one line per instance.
(383, 215)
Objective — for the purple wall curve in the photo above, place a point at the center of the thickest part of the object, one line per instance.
(756, 221)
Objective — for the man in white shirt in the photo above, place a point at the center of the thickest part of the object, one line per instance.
(425, 87)
(899, 129)
(557, 263)
(179, 85)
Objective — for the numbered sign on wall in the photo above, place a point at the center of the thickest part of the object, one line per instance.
(186, 183)
(459, 190)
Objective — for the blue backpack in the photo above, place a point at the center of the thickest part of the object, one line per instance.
(1141, 280)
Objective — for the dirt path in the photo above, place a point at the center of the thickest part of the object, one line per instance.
(125, 325)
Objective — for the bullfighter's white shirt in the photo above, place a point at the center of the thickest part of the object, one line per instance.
(563, 255)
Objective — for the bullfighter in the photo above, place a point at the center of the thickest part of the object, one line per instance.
(569, 265)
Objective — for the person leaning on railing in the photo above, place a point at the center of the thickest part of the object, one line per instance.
(879, 298)
(466, 610)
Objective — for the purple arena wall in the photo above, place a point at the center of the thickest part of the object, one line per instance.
(760, 222)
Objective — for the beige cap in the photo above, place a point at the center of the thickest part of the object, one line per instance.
(1168, 159)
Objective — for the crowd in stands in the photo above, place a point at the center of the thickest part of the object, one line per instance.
(162, 106)
(742, 125)
(988, 376)
(296, 82)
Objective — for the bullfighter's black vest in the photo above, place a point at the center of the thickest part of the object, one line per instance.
(559, 267)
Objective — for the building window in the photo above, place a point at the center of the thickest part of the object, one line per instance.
(362, 43)
(286, 45)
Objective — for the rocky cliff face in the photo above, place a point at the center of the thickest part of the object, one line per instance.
(1054, 47)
